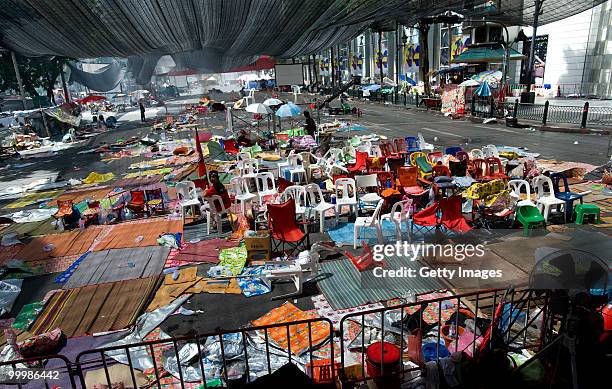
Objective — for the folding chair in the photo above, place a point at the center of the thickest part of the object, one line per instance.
(360, 162)
(451, 217)
(284, 228)
(65, 211)
(154, 199)
(137, 202)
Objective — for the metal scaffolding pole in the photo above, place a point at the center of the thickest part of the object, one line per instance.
(18, 76)
(536, 16)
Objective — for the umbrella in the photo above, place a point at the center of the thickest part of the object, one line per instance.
(490, 76)
(271, 102)
(91, 99)
(258, 108)
(411, 81)
(288, 110)
(483, 90)
(469, 82)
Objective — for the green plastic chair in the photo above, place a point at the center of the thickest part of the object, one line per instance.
(582, 210)
(425, 167)
(530, 217)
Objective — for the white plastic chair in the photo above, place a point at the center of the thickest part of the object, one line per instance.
(490, 151)
(188, 197)
(369, 221)
(316, 202)
(264, 182)
(333, 155)
(516, 187)
(375, 151)
(284, 164)
(216, 210)
(241, 156)
(250, 98)
(365, 182)
(307, 158)
(346, 194)
(297, 173)
(298, 194)
(400, 212)
(296, 90)
(476, 154)
(545, 196)
(424, 146)
(241, 193)
(365, 147)
(349, 152)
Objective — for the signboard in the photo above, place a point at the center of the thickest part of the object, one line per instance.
(289, 74)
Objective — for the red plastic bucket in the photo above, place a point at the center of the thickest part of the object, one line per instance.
(388, 358)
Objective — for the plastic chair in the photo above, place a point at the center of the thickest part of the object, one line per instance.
(412, 144)
(375, 151)
(452, 150)
(545, 196)
(365, 183)
(249, 168)
(360, 162)
(316, 202)
(462, 156)
(408, 180)
(241, 193)
(516, 187)
(188, 197)
(440, 170)
(530, 217)
(349, 153)
(229, 145)
(285, 164)
(401, 147)
(495, 169)
(476, 154)
(458, 169)
(284, 228)
(297, 173)
(400, 212)
(250, 98)
(435, 156)
(298, 194)
(582, 210)
(566, 195)
(216, 210)
(264, 182)
(371, 222)
(419, 160)
(388, 149)
(66, 210)
(424, 145)
(346, 194)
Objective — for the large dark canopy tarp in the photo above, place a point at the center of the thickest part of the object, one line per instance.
(103, 81)
(222, 34)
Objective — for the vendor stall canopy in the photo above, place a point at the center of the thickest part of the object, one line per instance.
(217, 35)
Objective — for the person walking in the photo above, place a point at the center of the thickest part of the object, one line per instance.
(142, 110)
(311, 126)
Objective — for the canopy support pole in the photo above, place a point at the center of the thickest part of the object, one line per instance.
(19, 83)
(64, 86)
(536, 16)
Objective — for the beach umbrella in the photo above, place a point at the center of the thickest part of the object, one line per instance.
(288, 110)
(272, 101)
(91, 99)
(483, 90)
(258, 108)
(490, 76)
(469, 82)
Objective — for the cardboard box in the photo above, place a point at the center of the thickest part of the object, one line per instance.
(261, 242)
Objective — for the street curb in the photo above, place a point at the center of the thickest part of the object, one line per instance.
(567, 130)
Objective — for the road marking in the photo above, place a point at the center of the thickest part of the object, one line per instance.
(442, 132)
(497, 129)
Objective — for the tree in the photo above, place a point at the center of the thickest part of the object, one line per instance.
(35, 73)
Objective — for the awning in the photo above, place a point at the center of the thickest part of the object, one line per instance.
(486, 54)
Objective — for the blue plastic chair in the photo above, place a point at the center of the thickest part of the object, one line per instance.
(452, 150)
(412, 144)
(565, 195)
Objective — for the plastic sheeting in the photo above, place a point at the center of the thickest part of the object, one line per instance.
(236, 28)
(9, 290)
(103, 81)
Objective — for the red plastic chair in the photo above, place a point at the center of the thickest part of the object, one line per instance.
(388, 149)
(462, 156)
(440, 170)
(360, 162)
(495, 169)
(479, 169)
(434, 154)
(284, 229)
(375, 164)
(401, 147)
(229, 145)
(383, 177)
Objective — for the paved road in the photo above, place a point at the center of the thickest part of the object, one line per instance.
(398, 121)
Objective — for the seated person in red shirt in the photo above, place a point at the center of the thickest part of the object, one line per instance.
(217, 188)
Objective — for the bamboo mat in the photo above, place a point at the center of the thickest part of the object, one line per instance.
(60, 245)
(141, 233)
(117, 265)
(95, 308)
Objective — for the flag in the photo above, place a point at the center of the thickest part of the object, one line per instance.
(201, 165)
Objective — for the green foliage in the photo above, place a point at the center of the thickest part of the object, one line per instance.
(35, 73)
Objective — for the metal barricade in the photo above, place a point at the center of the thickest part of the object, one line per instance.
(40, 372)
(275, 340)
(513, 324)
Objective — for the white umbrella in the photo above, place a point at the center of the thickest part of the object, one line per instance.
(469, 82)
(272, 101)
(258, 108)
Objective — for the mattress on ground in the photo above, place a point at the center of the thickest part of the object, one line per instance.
(117, 265)
(140, 233)
(59, 245)
(95, 308)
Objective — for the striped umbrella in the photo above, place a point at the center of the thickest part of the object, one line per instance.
(483, 90)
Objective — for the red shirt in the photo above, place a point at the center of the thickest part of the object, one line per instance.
(227, 202)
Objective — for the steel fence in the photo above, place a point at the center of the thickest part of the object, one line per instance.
(242, 355)
(485, 304)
